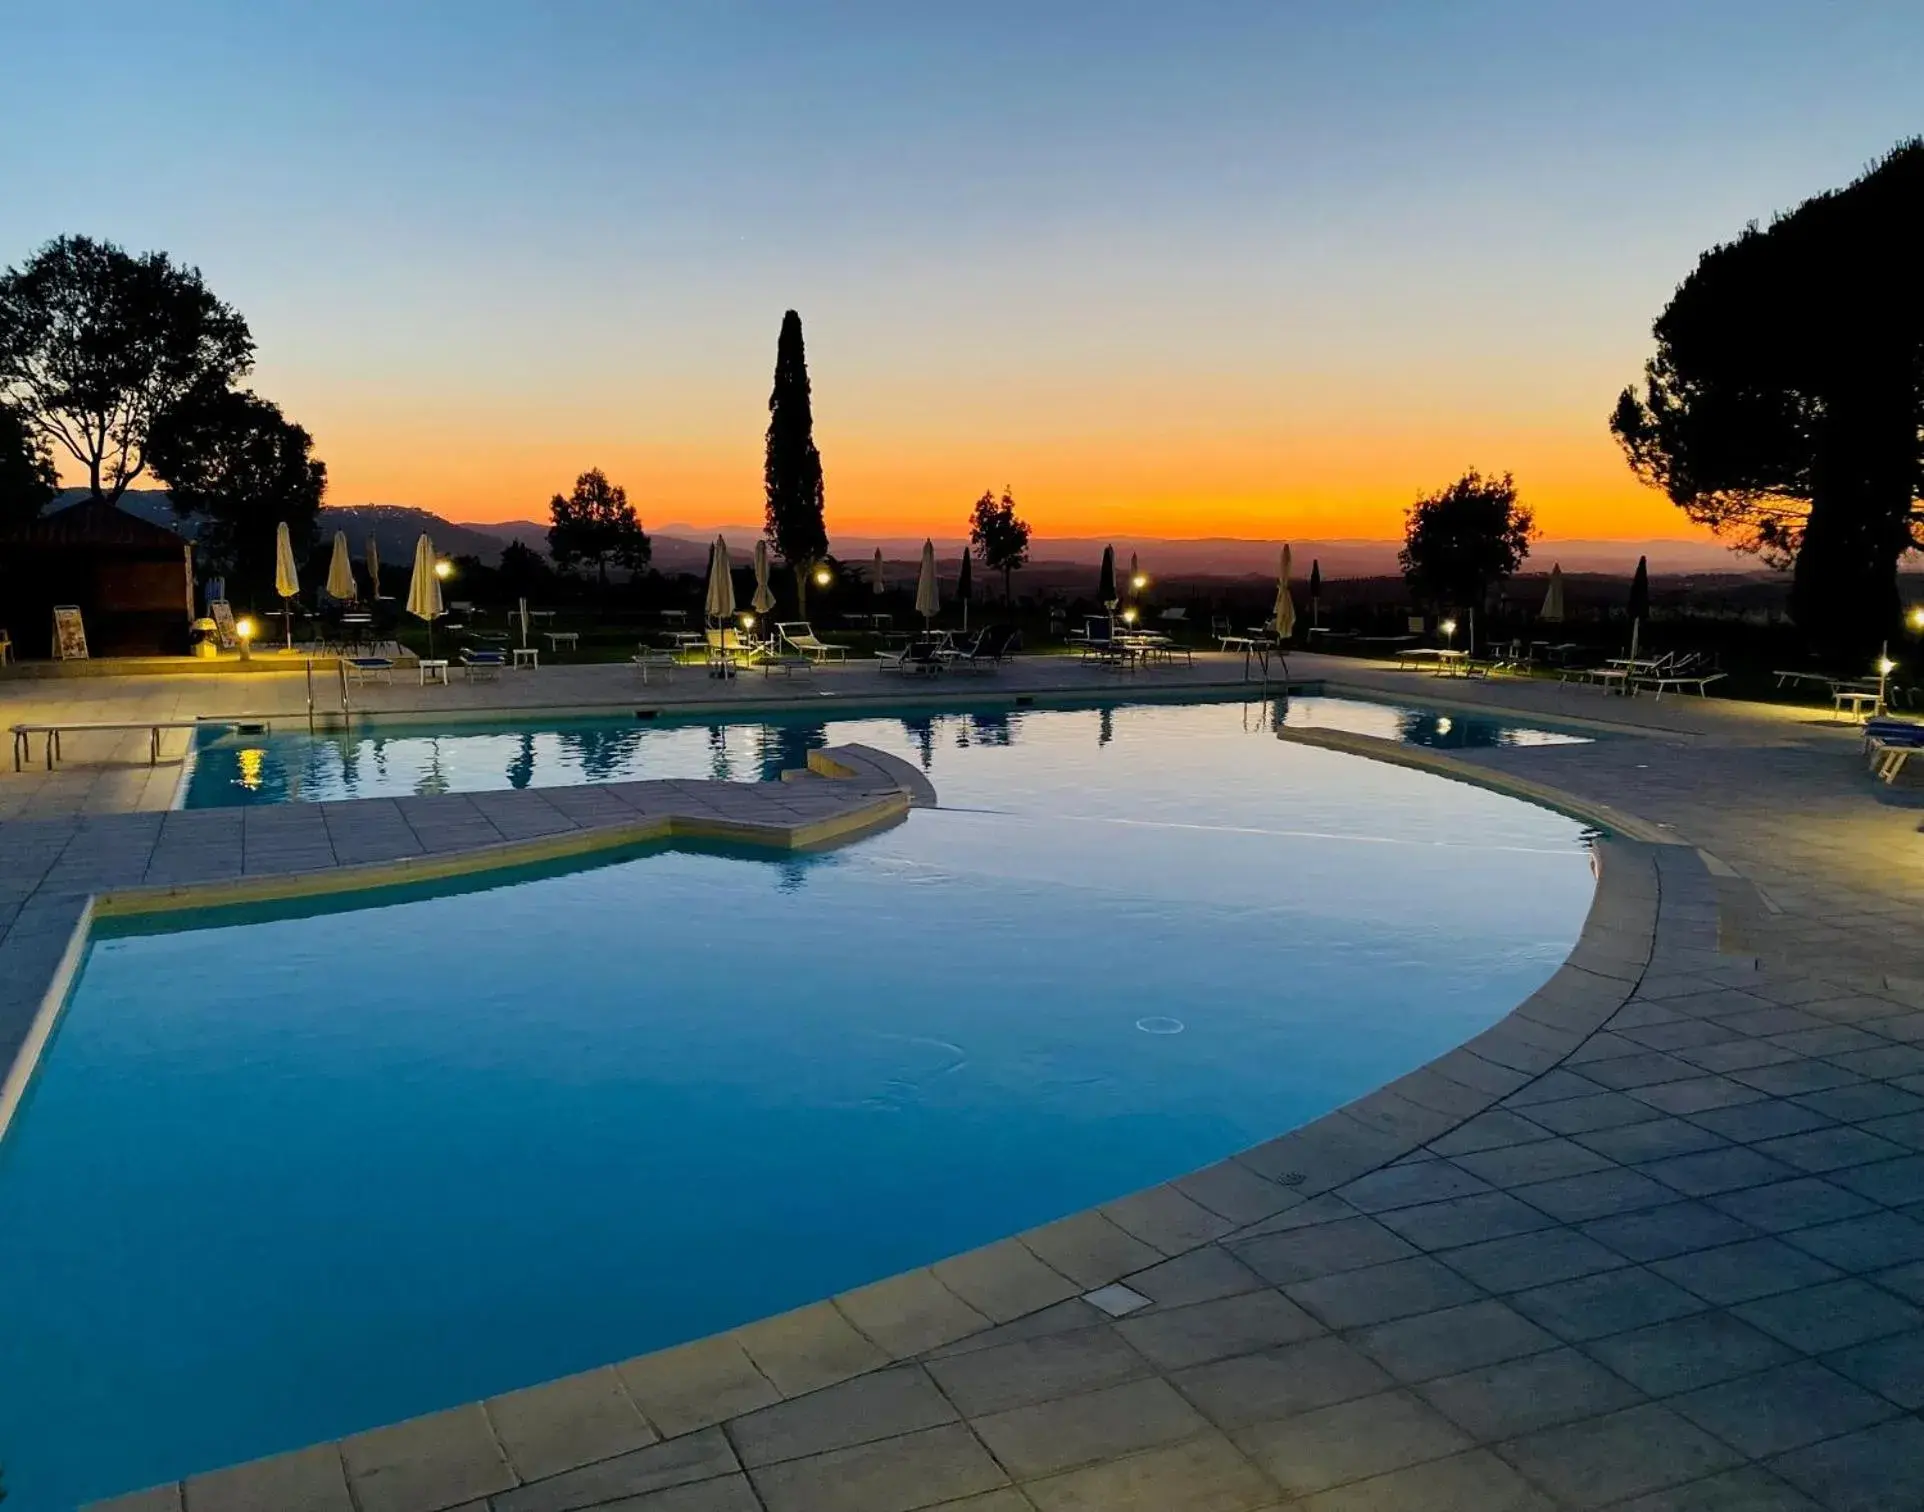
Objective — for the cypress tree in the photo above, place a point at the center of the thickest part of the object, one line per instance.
(792, 473)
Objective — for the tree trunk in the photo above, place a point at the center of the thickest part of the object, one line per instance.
(801, 590)
(1844, 587)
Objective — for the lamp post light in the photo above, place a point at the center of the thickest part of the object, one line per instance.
(1448, 627)
(244, 633)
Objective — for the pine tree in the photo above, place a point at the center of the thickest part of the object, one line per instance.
(792, 473)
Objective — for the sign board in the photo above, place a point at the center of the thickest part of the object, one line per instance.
(69, 635)
(222, 614)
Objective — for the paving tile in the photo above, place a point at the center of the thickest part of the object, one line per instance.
(1452, 1340)
(1473, 1482)
(1906, 1129)
(1766, 1119)
(1004, 1281)
(806, 1349)
(1696, 1094)
(1872, 1242)
(1789, 1078)
(1735, 1055)
(702, 1456)
(884, 1404)
(1646, 1070)
(1828, 1149)
(1658, 1233)
(1893, 1367)
(1280, 1383)
(1034, 1370)
(1879, 1469)
(433, 1461)
(1063, 1317)
(1891, 1182)
(1236, 1192)
(1734, 1273)
(1166, 1220)
(1685, 1353)
(1378, 1293)
(1576, 1198)
(1520, 1396)
(1494, 1130)
(1716, 1171)
(1351, 1441)
(1045, 1438)
(1540, 1160)
(308, 1480)
(1612, 1302)
(1191, 1335)
(558, 1426)
(1782, 1408)
(697, 1384)
(1786, 1205)
(1465, 1220)
(1853, 1104)
(1401, 1186)
(1582, 1115)
(1202, 1275)
(897, 1475)
(1747, 1490)
(1523, 1260)
(1089, 1249)
(1653, 1139)
(1304, 1253)
(1832, 1316)
(1552, 1086)
(1206, 1474)
(910, 1313)
(1630, 1453)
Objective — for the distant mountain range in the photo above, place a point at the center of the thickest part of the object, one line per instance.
(680, 547)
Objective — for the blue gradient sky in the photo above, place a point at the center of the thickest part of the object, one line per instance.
(1254, 269)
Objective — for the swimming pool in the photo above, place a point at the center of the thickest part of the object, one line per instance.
(396, 759)
(286, 1176)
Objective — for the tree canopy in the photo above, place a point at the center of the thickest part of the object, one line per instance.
(234, 460)
(1001, 535)
(792, 470)
(1784, 407)
(27, 479)
(97, 345)
(595, 527)
(1460, 542)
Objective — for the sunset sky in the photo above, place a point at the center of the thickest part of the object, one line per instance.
(1257, 269)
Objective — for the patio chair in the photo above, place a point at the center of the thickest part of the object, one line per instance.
(801, 638)
(655, 659)
(992, 646)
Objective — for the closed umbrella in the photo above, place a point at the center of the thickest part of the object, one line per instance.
(965, 587)
(721, 583)
(373, 569)
(340, 571)
(287, 581)
(928, 600)
(1285, 611)
(1315, 593)
(1553, 598)
(1106, 579)
(424, 588)
(1639, 603)
(876, 581)
(524, 624)
(764, 599)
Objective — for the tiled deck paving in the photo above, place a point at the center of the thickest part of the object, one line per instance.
(1655, 1242)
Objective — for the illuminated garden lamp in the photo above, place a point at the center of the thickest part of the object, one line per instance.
(1915, 618)
(748, 622)
(1139, 582)
(244, 633)
(823, 577)
(1129, 615)
(1448, 627)
(444, 569)
(1885, 666)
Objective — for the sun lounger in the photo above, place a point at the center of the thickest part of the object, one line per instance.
(993, 646)
(923, 657)
(801, 638)
(361, 669)
(480, 664)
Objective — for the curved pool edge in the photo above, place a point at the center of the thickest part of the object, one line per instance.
(213, 858)
(654, 1421)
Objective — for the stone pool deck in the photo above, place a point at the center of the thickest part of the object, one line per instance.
(1655, 1241)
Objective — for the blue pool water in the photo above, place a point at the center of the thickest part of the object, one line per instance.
(393, 760)
(284, 1176)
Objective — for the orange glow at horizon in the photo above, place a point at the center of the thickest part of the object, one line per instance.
(1176, 485)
